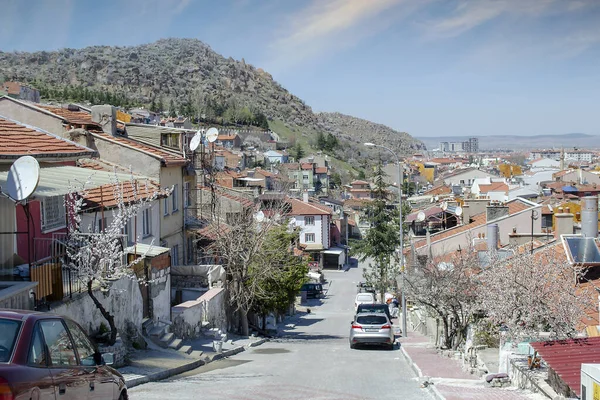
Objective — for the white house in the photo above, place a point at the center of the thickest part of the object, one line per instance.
(579, 155)
(276, 157)
(544, 163)
(466, 177)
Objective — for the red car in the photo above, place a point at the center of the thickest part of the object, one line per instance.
(45, 356)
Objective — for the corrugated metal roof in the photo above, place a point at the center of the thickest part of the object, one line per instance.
(566, 356)
(146, 250)
(58, 181)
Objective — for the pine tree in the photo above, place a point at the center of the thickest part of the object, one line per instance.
(382, 238)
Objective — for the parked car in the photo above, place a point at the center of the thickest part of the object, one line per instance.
(313, 290)
(47, 356)
(371, 328)
(374, 308)
(363, 287)
(363, 298)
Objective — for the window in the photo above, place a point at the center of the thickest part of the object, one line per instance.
(175, 255)
(37, 354)
(309, 220)
(146, 222)
(85, 349)
(9, 330)
(175, 197)
(128, 231)
(309, 237)
(305, 177)
(53, 213)
(187, 194)
(166, 206)
(58, 342)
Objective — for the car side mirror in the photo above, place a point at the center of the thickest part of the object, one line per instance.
(108, 358)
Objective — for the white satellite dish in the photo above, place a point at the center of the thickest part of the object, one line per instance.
(458, 211)
(195, 142)
(23, 178)
(444, 205)
(212, 134)
(421, 216)
(259, 216)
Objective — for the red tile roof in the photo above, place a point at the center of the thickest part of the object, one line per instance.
(566, 356)
(167, 158)
(17, 140)
(74, 117)
(306, 166)
(321, 170)
(106, 195)
(301, 208)
(12, 87)
(442, 189)
(494, 187)
(428, 213)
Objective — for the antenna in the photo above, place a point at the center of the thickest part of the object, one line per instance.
(458, 211)
(195, 142)
(421, 216)
(212, 134)
(23, 178)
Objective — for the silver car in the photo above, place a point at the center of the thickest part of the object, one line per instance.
(371, 328)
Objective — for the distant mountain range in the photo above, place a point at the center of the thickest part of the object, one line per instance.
(514, 142)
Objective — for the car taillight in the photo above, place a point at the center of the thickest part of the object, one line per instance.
(5, 390)
(386, 327)
(356, 326)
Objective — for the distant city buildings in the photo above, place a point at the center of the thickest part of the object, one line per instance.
(469, 146)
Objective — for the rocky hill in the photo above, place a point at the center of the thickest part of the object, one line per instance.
(187, 71)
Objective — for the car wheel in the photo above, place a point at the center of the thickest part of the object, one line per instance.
(123, 395)
(390, 346)
(352, 346)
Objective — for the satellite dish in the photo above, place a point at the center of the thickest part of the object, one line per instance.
(195, 142)
(458, 211)
(259, 216)
(212, 134)
(421, 216)
(23, 178)
(293, 221)
(444, 205)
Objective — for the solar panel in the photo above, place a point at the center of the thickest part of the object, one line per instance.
(583, 249)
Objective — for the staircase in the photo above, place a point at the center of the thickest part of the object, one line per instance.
(159, 333)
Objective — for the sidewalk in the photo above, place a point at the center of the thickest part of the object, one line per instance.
(449, 380)
(156, 363)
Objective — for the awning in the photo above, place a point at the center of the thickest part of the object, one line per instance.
(59, 181)
(146, 250)
(334, 250)
(313, 246)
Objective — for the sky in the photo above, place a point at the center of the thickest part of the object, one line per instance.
(426, 67)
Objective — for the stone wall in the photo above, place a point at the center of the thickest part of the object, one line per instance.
(123, 300)
(160, 291)
(191, 317)
(119, 350)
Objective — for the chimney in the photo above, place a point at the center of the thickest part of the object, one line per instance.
(466, 214)
(589, 216)
(496, 211)
(492, 237)
(564, 224)
(106, 116)
(305, 196)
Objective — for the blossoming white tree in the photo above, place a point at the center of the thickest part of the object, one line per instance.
(99, 258)
(530, 294)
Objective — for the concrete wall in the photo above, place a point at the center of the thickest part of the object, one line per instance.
(171, 227)
(16, 295)
(140, 163)
(209, 308)
(160, 287)
(29, 116)
(123, 300)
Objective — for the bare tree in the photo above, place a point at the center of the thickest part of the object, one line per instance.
(99, 258)
(448, 289)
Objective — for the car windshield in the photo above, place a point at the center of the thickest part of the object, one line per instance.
(364, 297)
(8, 337)
(372, 308)
(371, 320)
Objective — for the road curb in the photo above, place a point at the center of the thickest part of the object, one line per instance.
(434, 391)
(167, 373)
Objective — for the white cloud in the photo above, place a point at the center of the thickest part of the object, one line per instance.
(326, 26)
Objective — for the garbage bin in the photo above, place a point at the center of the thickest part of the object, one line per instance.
(218, 346)
(303, 296)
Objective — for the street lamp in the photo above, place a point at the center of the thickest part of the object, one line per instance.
(400, 180)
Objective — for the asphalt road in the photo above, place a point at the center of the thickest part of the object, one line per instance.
(312, 360)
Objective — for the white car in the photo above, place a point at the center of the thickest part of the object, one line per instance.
(363, 298)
